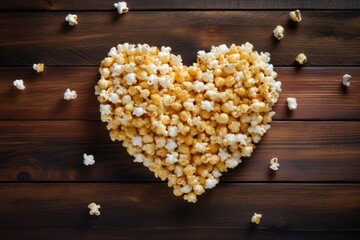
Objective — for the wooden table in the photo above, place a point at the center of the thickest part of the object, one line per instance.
(45, 188)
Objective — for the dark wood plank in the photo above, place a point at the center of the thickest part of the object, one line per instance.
(328, 38)
(151, 206)
(319, 92)
(52, 151)
(53, 5)
(252, 233)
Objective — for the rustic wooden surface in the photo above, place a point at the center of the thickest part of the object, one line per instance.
(45, 188)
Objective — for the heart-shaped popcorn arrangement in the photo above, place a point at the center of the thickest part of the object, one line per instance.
(188, 125)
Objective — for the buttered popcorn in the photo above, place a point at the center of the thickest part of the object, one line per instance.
(188, 125)
(279, 32)
(39, 67)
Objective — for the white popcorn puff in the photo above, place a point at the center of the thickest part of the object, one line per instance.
(241, 138)
(274, 164)
(207, 105)
(137, 141)
(105, 109)
(178, 171)
(189, 104)
(121, 7)
(88, 159)
(224, 154)
(139, 111)
(295, 16)
(129, 68)
(277, 86)
(256, 218)
(165, 68)
(201, 147)
(279, 32)
(223, 48)
(71, 19)
(173, 131)
(164, 81)
(229, 68)
(216, 173)
(199, 86)
(172, 158)
(152, 80)
(210, 182)
(232, 162)
(208, 76)
(186, 189)
(176, 60)
(19, 84)
(38, 67)
(171, 145)
(94, 209)
(292, 104)
(69, 95)
(301, 58)
(114, 98)
(190, 197)
(130, 78)
(346, 80)
(230, 139)
(139, 158)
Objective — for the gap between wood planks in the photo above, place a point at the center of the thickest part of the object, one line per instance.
(188, 5)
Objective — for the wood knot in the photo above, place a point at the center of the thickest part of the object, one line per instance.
(23, 176)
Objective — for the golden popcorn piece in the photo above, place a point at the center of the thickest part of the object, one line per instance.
(256, 218)
(39, 67)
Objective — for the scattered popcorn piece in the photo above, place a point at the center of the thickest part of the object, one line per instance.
(71, 19)
(274, 164)
(19, 84)
(69, 95)
(121, 7)
(301, 58)
(94, 209)
(88, 159)
(256, 218)
(346, 80)
(292, 104)
(38, 67)
(295, 16)
(279, 32)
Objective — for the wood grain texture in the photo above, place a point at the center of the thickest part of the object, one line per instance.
(52, 151)
(45, 188)
(319, 92)
(118, 233)
(328, 38)
(53, 5)
(289, 207)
